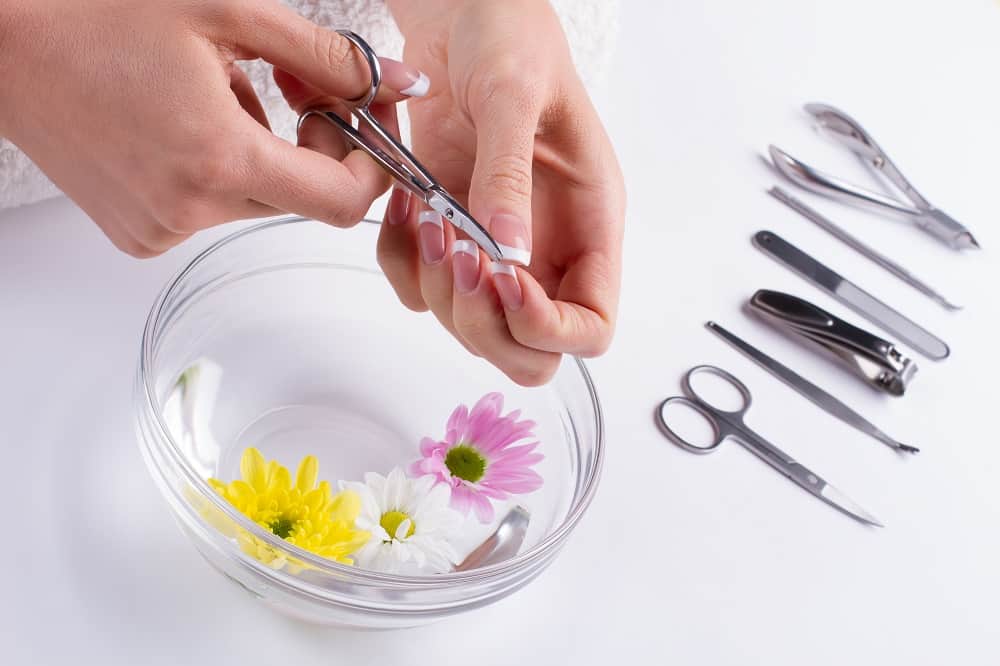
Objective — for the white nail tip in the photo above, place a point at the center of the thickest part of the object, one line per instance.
(418, 88)
(515, 254)
(466, 246)
(430, 217)
(502, 269)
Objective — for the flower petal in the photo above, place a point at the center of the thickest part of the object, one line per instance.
(307, 474)
(403, 529)
(461, 499)
(252, 469)
(483, 508)
(428, 446)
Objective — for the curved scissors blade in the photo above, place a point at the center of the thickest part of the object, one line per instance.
(801, 475)
(823, 490)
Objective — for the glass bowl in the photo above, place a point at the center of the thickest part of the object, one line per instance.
(286, 337)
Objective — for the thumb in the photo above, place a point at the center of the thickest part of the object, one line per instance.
(500, 193)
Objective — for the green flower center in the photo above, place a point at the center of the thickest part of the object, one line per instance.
(391, 520)
(282, 527)
(466, 463)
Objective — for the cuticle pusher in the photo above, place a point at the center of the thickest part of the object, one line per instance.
(851, 241)
(803, 386)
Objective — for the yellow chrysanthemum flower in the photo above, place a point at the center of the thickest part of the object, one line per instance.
(304, 514)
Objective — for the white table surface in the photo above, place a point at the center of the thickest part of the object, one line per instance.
(681, 559)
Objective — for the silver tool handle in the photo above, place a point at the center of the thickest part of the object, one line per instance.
(813, 322)
(871, 358)
(852, 295)
(816, 181)
(854, 243)
(797, 260)
(849, 132)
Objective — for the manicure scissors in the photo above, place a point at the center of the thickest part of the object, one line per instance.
(371, 137)
(726, 424)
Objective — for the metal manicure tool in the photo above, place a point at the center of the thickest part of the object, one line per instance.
(852, 295)
(847, 131)
(803, 386)
(726, 424)
(879, 258)
(502, 545)
(875, 360)
(371, 137)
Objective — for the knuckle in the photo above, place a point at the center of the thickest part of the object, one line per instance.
(186, 216)
(600, 343)
(506, 75)
(534, 374)
(510, 175)
(211, 170)
(342, 213)
(228, 16)
(134, 248)
(472, 329)
(333, 49)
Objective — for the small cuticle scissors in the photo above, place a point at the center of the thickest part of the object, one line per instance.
(726, 424)
(395, 158)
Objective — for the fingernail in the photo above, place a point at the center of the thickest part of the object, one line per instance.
(404, 79)
(507, 286)
(511, 235)
(399, 202)
(465, 262)
(431, 231)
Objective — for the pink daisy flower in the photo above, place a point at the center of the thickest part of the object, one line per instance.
(478, 458)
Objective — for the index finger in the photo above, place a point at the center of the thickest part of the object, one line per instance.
(289, 41)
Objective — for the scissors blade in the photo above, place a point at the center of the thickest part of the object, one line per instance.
(452, 211)
(823, 490)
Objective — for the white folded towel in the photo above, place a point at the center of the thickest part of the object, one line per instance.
(591, 26)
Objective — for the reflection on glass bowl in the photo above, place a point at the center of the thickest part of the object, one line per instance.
(287, 338)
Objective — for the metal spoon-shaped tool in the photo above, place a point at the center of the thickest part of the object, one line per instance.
(503, 544)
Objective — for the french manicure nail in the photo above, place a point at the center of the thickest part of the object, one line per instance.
(399, 203)
(507, 286)
(511, 234)
(430, 230)
(404, 79)
(465, 262)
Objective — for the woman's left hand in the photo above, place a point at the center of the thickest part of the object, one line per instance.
(507, 127)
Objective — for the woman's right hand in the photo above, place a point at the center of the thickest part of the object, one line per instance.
(138, 111)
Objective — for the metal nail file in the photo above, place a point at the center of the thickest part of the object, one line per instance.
(852, 295)
(818, 396)
(855, 244)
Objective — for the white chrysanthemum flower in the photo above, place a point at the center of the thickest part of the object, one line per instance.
(410, 521)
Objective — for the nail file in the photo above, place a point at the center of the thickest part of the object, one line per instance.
(852, 295)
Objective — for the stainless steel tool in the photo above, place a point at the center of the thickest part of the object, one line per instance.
(852, 295)
(503, 544)
(875, 360)
(803, 386)
(847, 131)
(863, 249)
(726, 424)
(371, 137)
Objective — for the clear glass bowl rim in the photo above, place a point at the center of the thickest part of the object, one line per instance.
(498, 571)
